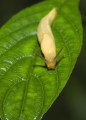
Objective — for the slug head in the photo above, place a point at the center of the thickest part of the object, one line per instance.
(51, 63)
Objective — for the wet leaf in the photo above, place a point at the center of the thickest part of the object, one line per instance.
(27, 87)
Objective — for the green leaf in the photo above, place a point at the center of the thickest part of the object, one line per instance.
(27, 87)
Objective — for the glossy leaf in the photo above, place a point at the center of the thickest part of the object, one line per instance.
(27, 87)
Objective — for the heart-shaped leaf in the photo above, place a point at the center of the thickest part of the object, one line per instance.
(27, 87)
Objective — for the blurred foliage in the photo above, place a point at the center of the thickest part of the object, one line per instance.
(71, 104)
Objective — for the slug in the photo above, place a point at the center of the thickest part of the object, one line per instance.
(46, 39)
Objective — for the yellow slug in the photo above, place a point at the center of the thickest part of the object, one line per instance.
(46, 39)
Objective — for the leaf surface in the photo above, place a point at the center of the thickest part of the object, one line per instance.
(27, 87)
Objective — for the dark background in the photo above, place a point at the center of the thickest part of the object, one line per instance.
(71, 103)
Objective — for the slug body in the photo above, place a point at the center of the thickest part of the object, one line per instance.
(46, 38)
